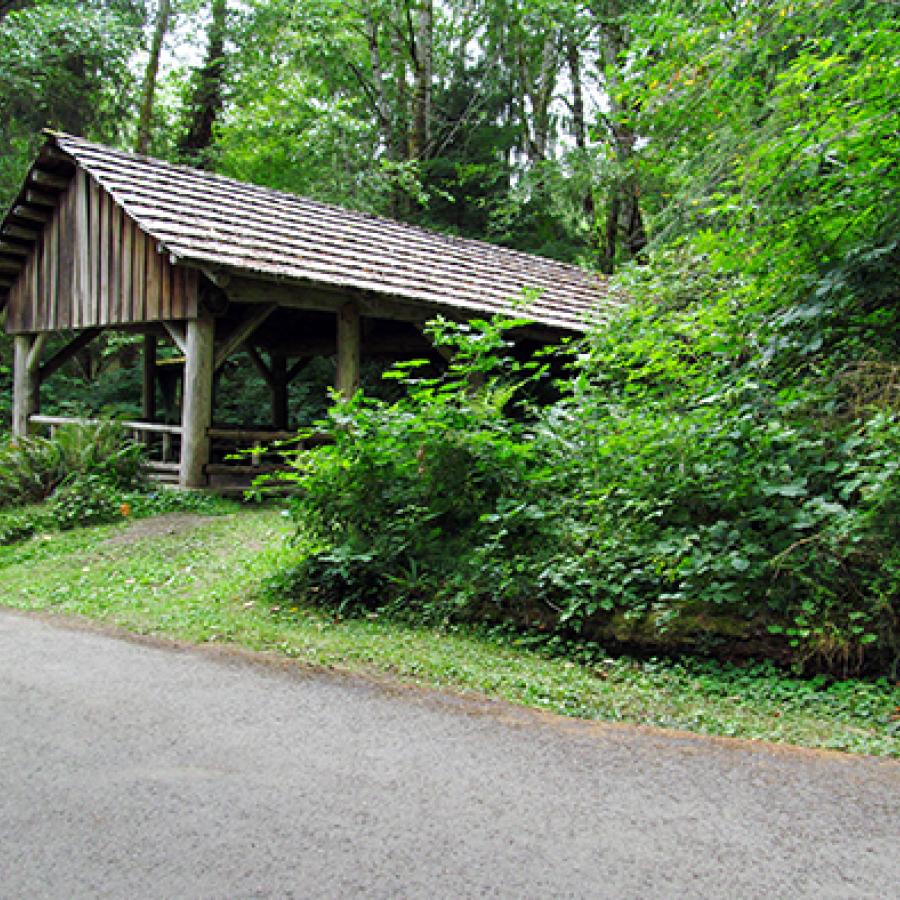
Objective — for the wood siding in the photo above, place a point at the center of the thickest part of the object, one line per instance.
(93, 266)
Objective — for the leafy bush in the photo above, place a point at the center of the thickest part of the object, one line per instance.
(85, 500)
(93, 500)
(157, 501)
(19, 524)
(669, 498)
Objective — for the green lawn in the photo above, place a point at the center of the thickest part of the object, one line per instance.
(203, 583)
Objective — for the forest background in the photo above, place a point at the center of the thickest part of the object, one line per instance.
(721, 466)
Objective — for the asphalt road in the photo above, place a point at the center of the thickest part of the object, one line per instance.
(132, 770)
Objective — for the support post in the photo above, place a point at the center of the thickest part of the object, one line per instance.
(278, 368)
(196, 407)
(148, 392)
(26, 381)
(348, 340)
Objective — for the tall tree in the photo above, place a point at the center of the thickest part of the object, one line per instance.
(207, 99)
(624, 226)
(423, 67)
(151, 72)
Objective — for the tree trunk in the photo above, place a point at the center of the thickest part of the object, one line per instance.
(624, 223)
(208, 94)
(543, 95)
(573, 57)
(150, 75)
(382, 107)
(423, 64)
(579, 127)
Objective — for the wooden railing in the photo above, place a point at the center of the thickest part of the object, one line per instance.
(138, 427)
(159, 438)
(252, 445)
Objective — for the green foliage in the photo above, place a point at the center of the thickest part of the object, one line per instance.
(87, 499)
(21, 523)
(667, 498)
(92, 500)
(32, 468)
(62, 65)
(444, 450)
(718, 468)
(150, 501)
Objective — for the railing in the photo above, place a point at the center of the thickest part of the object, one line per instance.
(159, 438)
(253, 444)
(138, 427)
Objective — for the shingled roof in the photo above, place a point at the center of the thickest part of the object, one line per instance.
(208, 221)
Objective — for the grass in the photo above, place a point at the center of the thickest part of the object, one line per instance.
(205, 584)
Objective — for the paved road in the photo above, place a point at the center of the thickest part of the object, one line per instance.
(132, 770)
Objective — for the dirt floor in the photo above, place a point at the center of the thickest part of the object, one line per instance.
(157, 526)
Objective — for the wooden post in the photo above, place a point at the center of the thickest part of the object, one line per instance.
(148, 394)
(196, 407)
(348, 340)
(278, 369)
(26, 381)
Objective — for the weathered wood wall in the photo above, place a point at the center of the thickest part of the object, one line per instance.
(92, 266)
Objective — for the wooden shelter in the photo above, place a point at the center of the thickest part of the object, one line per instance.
(102, 239)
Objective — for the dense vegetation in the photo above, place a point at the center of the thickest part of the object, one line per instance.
(720, 468)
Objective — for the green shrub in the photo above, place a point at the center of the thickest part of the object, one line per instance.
(682, 506)
(85, 500)
(155, 500)
(19, 524)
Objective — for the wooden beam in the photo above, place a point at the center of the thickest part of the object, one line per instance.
(261, 366)
(11, 265)
(34, 354)
(219, 277)
(444, 352)
(17, 231)
(62, 356)
(55, 155)
(296, 369)
(348, 349)
(48, 179)
(252, 435)
(32, 214)
(11, 249)
(176, 331)
(26, 385)
(318, 298)
(196, 413)
(243, 331)
(294, 345)
(39, 198)
(148, 382)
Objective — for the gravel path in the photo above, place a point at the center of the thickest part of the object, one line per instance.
(135, 770)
